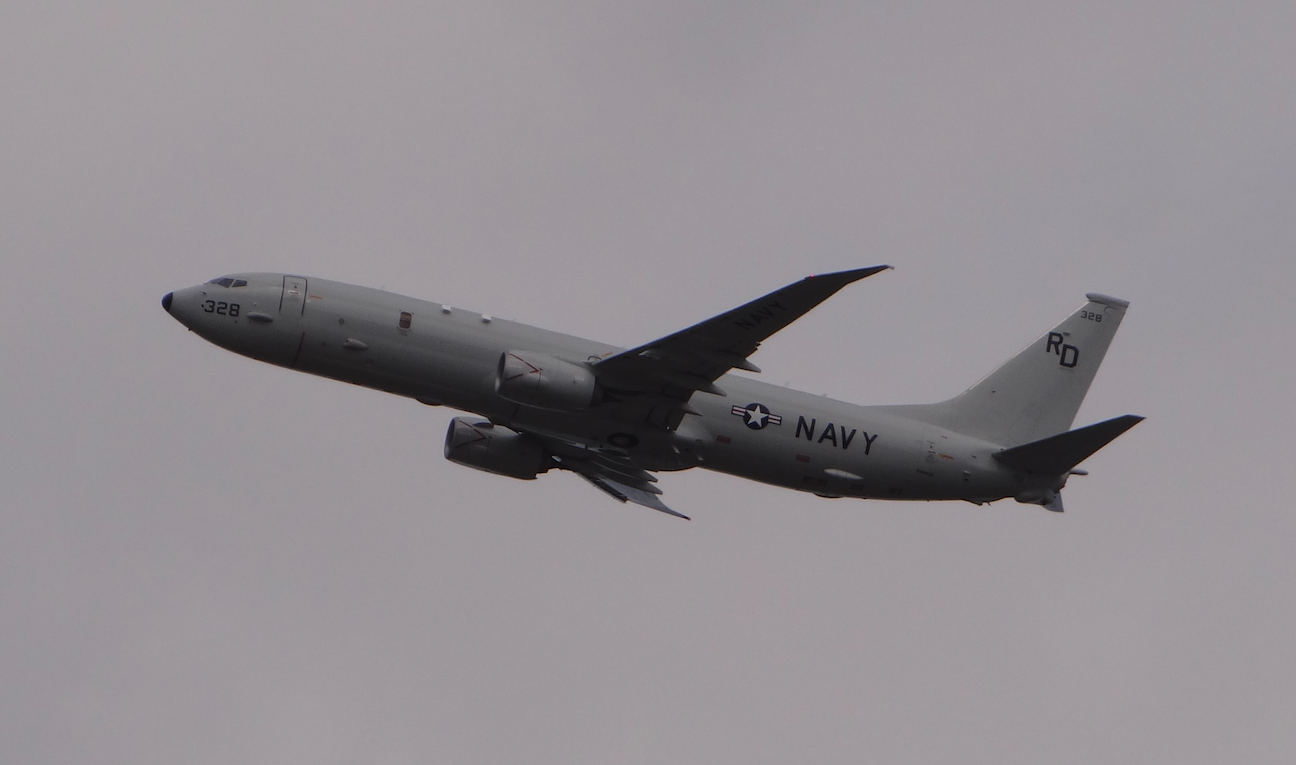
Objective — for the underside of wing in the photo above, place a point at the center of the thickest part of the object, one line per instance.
(631, 494)
(663, 375)
(611, 472)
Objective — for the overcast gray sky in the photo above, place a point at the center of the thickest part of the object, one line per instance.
(204, 559)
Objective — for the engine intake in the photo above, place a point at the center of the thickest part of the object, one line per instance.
(541, 380)
(494, 449)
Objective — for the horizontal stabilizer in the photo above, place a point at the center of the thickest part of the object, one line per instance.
(1058, 454)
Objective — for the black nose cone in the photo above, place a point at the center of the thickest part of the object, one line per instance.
(166, 302)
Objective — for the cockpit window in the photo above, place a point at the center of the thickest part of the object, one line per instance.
(229, 281)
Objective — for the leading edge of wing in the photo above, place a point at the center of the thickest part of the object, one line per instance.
(694, 358)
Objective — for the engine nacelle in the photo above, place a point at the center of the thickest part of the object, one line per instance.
(479, 444)
(541, 380)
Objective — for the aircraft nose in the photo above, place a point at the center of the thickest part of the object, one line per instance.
(166, 302)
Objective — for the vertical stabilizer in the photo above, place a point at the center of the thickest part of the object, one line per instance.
(1036, 393)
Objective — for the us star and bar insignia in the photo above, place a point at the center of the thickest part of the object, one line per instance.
(756, 416)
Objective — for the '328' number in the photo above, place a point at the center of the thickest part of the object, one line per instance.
(222, 309)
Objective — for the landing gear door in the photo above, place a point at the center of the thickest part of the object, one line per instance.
(294, 296)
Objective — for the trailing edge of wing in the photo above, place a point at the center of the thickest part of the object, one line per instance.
(709, 349)
(691, 360)
(631, 494)
(610, 472)
(1058, 454)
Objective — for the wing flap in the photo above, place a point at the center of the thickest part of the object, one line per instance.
(632, 494)
(611, 472)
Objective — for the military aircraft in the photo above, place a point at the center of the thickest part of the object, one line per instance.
(546, 400)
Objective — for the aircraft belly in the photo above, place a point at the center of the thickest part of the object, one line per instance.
(886, 478)
(428, 372)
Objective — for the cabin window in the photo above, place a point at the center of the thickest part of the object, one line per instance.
(406, 318)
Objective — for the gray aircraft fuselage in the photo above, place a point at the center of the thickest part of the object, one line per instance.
(438, 354)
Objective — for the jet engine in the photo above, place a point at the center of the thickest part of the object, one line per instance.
(494, 449)
(541, 380)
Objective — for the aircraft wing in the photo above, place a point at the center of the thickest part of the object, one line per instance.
(610, 472)
(668, 371)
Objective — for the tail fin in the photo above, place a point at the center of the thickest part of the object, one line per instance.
(1037, 393)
